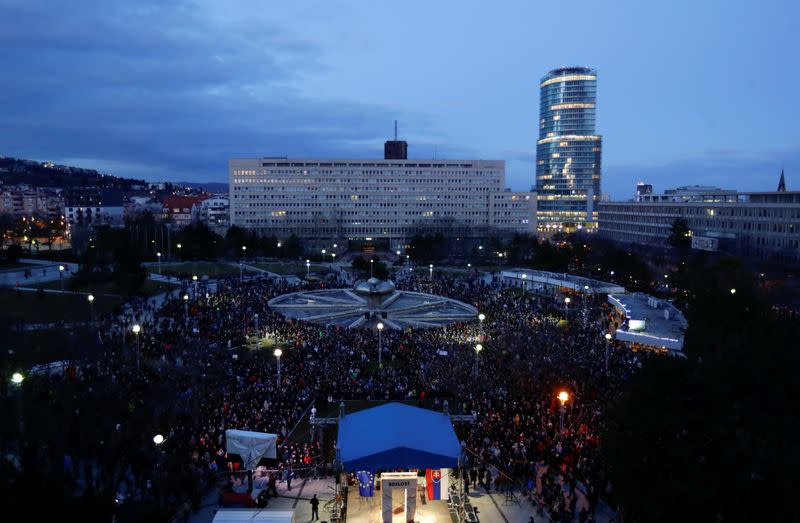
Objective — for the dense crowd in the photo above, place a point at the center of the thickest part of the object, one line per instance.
(184, 371)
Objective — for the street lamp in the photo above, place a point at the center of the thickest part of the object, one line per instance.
(61, 275)
(733, 291)
(136, 330)
(17, 378)
(158, 439)
(380, 344)
(478, 349)
(524, 278)
(158, 255)
(566, 306)
(608, 343)
(186, 311)
(430, 268)
(91, 307)
(255, 317)
(563, 397)
(194, 285)
(469, 266)
(308, 268)
(371, 263)
(481, 317)
(278, 354)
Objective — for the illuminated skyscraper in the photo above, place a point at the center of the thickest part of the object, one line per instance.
(568, 151)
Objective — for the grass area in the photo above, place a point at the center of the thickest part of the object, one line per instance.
(291, 267)
(148, 288)
(33, 307)
(196, 268)
(252, 343)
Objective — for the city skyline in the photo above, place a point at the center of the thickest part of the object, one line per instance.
(172, 92)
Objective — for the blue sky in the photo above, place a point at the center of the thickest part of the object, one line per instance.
(688, 92)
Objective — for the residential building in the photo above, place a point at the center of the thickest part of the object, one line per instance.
(91, 206)
(179, 210)
(375, 199)
(753, 224)
(214, 211)
(24, 200)
(568, 151)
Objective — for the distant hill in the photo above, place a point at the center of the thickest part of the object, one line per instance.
(47, 174)
(212, 187)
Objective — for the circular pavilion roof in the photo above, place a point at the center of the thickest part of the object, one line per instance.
(370, 302)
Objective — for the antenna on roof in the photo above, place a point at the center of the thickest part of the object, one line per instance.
(395, 130)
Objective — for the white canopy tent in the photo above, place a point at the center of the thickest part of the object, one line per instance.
(251, 446)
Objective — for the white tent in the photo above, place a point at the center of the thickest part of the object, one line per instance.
(254, 515)
(251, 446)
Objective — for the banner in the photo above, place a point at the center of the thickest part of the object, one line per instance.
(437, 482)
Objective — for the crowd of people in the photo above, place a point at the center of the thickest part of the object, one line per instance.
(186, 375)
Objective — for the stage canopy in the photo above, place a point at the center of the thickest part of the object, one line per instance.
(395, 436)
(251, 446)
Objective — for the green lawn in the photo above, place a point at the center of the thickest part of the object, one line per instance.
(148, 288)
(32, 307)
(291, 267)
(196, 268)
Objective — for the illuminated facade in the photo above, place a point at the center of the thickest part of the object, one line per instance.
(568, 151)
(323, 199)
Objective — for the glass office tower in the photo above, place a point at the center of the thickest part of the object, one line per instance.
(568, 151)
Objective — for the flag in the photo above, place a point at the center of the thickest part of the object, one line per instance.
(437, 481)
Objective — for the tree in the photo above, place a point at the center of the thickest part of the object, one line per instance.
(713, 435)
(13, 253)
(680, 235)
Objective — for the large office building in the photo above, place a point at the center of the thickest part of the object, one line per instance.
(753, 224)
(384, 201)
(568, 151)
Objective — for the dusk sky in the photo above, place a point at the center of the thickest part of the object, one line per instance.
(689, 92)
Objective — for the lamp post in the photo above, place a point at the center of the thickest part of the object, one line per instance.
(563, 397)
(481, 317)
(136, 330)
(16, 380)
(255, 318)
(244, 253)
(61, 276)
(524, 287)
(186, 311)
(278, 354)
(308, 268)
(566, 306)
(158, 256)
(158, 439)
(733, 291)
(333, 259)
(478, 349)
(90, 298)
(608, 344)
(380, 343)
(179, 248)
(194, 285)
(430, 270)
(371, 263)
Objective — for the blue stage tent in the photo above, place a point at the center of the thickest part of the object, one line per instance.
(397, 436)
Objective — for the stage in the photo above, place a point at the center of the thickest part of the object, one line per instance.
(368, 509)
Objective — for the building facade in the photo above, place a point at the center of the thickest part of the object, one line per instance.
(88, 207)
(568, 152)
(757, 224)
(375, 199)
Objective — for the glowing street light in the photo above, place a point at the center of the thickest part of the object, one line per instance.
(136, 330)
(524, 282)
(61, 275)
(308, 268)
(733, 291)
(158, 439)
(566, 305)
(90, 298)
(481, 317)
(478, 349)
(158, 255)
(380, 340)
(186, 311)
(371, 263)
(430, 269)
(278, 353)
(608, 344)
(17, 378)
(563, 397)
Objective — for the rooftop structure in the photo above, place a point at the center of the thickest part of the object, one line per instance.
(534, 280)
(648, 321)
(371, 302)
